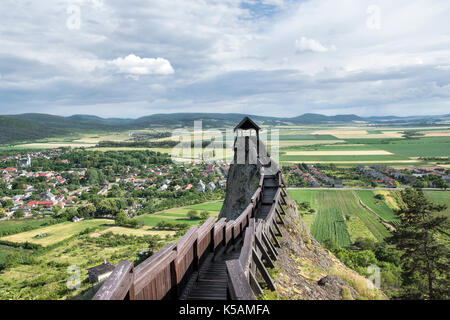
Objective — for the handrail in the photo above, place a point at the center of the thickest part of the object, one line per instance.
(118, 284)
(165, 274)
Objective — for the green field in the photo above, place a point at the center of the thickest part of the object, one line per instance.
(343, 158)
(14, 226)
(440, 197)
(307, 137)
(404, 151)
(329, 222)
(339, 216)
(208, 206)
(378, 206)
(55, 233)
(179, 215)
(5, 250)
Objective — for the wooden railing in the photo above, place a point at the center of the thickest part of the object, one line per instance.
(257, 254)
(165, 274)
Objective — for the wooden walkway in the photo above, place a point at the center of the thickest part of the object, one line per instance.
(211, 281)
(217, 261)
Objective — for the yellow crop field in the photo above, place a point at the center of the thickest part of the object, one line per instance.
(342, 133)
(138, 232)
(54, 145)
(355, 162)
(339, 153)
(55, 233)
(295, 143)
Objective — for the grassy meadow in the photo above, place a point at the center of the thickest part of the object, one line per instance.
(53, 234)
(68, 244)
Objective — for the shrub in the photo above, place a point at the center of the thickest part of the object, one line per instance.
(204, 215)
(193, 214)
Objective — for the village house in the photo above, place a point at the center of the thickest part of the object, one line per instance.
(100, 272)
(446, 179)
(212, 186)
(163, 187)
(201, 186)
(48, 196)
(77, 219)
(9, 170)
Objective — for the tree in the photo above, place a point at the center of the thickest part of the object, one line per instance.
(424, 258)
(121, 218)
(87, 211)
(440, 183)
(204, 215)
(192, 214)
(18, 214)
(380, 196)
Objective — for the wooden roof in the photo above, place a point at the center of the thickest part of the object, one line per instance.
(101, 269)
(247, 124)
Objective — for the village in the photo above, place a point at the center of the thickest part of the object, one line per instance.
(28, 191)
(316, 176)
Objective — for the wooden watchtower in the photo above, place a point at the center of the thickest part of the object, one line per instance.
(248, 124)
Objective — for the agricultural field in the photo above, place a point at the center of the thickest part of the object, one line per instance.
(136, 232)
(339, 216)
(45, 275)
(440, 197)
(179, 215)
(329, 222)
(350, 146)
(378, 206)
(76, 140)
(53, 234)
(15, 226)
(341, 145)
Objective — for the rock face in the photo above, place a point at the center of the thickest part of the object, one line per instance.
(307, 271)
(337, 287)
(244, 175)
(242, 183)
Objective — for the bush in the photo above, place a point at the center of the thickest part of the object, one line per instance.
(204, 215)
(193, 215)
(380, 197)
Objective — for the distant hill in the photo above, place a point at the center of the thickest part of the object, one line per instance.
(12, 130)
(313, 118)
(73, 122)
(32, 126)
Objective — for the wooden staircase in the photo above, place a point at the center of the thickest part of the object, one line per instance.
(211, 281)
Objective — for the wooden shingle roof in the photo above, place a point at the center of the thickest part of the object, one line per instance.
(247, 124)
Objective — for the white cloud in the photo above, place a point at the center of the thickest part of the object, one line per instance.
(305, 44)
(135, 65)
(241, 55)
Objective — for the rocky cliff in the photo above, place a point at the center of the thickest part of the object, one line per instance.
(304, 269)
(307, 271)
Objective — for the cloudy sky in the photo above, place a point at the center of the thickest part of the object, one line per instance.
(270, 57)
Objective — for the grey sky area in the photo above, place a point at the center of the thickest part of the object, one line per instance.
(270, 57)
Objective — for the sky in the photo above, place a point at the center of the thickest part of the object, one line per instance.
(280, 58)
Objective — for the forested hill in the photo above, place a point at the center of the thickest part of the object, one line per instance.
(12, 130)
(32, 126)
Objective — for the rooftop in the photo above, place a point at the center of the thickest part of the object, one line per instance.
(247, 124)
